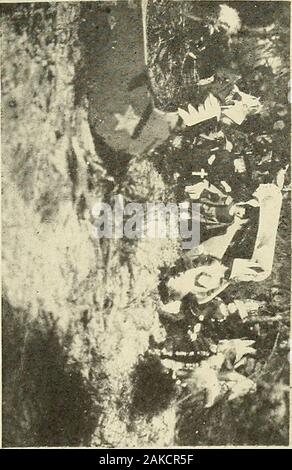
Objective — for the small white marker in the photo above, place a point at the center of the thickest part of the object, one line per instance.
(202, 173)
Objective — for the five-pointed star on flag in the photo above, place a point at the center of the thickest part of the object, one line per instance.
(127, 122)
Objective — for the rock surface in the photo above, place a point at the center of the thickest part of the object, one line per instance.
(74, 323)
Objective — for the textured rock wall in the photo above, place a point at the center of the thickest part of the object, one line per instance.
(68, 352)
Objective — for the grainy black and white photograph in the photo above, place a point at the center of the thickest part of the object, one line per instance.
(146, 224)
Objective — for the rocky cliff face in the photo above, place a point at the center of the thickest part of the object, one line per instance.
(77, 313)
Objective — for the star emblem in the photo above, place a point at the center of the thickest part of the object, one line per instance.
(127, 122)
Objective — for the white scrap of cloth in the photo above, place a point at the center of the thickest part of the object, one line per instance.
(259, 268)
